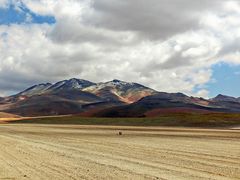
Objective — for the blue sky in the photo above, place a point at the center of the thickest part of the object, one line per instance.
(135, 41)
(226, 80)
(21, 14)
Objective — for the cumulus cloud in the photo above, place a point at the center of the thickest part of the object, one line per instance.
(167, 45)
(154, 19)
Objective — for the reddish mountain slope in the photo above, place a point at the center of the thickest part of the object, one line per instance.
(120, 91)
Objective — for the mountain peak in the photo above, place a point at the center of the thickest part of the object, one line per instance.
(73, 83)
(36, 89)
(127, 92)
(73, 79)
(221, 97)
(116, 80)
(123, 83)
(76, 80)
(114, 90)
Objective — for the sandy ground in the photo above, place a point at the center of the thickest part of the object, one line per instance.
(98, 152)
(6, 117)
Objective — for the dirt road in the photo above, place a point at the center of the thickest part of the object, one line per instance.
(98, 152)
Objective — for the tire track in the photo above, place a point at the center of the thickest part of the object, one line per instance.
(133, 161)
(68, 153)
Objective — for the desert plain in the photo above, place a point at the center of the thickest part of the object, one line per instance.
(37, 151)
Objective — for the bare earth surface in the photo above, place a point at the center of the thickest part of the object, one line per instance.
(98, 152)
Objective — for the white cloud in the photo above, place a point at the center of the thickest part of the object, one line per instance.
(59, 8)
(202, 93)
(3, 3)
(100, 41)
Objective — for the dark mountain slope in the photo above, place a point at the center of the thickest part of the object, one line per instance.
(232, 104)
(224, 98)
(109, 99)
(44, 105)
(59, 102)
(77, 95)
(160, 100)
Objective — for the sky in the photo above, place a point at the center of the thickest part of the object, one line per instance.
(169, 45)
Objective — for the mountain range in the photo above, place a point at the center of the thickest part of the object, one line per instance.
(108, 99)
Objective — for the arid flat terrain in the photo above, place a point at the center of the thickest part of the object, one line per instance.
(29, 151)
